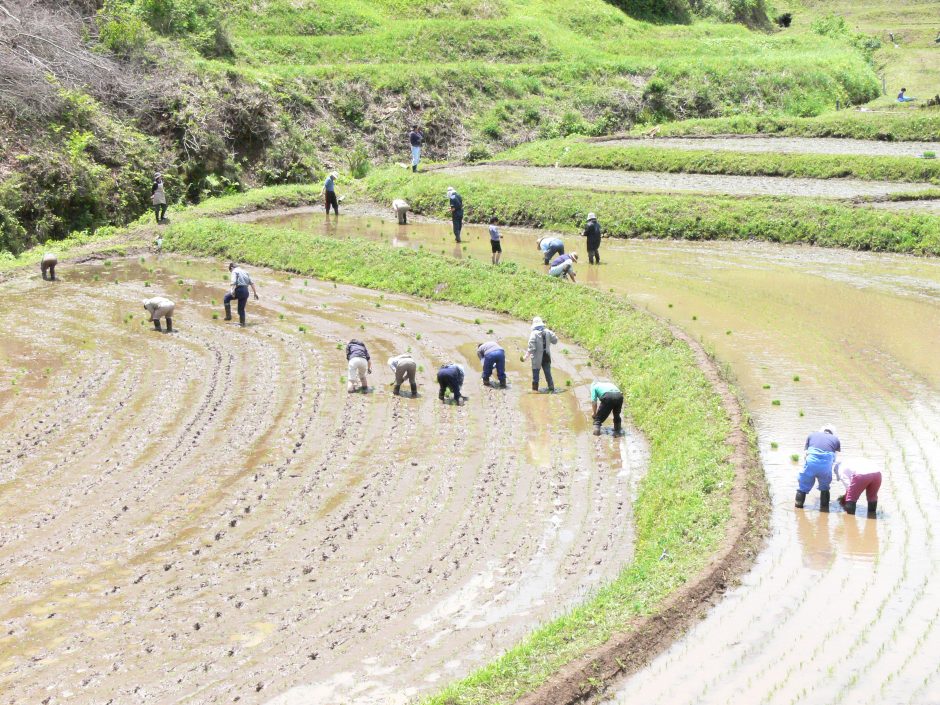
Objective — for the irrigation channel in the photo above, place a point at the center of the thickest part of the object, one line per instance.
(837, 607)
(208, 516)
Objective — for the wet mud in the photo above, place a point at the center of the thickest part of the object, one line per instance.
(785, 145)
(837, 607)
(657, 182)
(208, 516)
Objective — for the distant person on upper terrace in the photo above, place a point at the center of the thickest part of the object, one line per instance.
(158, 198)
(416, 138)
(903, 98)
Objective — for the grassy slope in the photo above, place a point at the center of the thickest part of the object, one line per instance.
(690, 217)
(683, 504)
(639, 158)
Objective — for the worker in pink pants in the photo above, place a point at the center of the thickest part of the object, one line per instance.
(856, 476)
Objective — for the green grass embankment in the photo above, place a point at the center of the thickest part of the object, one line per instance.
(573, 153)
(683, 502)
(667, 216)
(902, 124)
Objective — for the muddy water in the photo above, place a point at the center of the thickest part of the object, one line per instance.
(837, 607)
(786, 145)
(209, 517)
(609, 180)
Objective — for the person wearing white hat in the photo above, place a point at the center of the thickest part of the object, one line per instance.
(158, 198)
(821, 448)
(401, 208)
(592, 232)
(857, 475)
(541, 340)
(329, 193)
(49, 261)
(456, 211)
(550, 246)
(451, 376)
(159, 307)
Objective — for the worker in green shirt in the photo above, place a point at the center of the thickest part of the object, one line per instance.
(606, 398)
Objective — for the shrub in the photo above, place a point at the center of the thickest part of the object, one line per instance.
(358, 161)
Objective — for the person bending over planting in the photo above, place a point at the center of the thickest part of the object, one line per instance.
(493, 357)
(550, 246)
(856, 476)
(606, 398)
(360, 364)
(241, 282)
(565, 270)
(404, 367)
(159, 307)
(821, 448)
(450, 377)
(49, 261)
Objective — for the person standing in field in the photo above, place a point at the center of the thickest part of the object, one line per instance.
(450, 377)
(159, 307)
(158, 198)
(821, 448)
(550, 246)
(606, 398)
(495, 244)
(539, 351)
(360, 364)
(404, 367)
(48, 263)
(241, 282)
(416, 137)
(456, 211)
(401, 208)
(329, 193)
(856, 476)
(493, 357)
(592, 233)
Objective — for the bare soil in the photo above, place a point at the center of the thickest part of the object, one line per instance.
(787, 145)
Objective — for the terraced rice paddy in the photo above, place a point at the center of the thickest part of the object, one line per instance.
(786, 145)
(208, 516)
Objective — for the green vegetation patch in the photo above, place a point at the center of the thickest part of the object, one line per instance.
(668, 216)
(639, 158)
(682, 509)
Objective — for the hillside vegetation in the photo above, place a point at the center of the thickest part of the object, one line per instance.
(219, 97)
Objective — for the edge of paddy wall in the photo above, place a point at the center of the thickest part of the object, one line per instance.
(701, 509)
(788, 220)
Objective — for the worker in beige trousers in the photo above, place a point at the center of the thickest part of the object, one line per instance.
(159, 307)
(360, 364)
(404, 367)
(49, 261)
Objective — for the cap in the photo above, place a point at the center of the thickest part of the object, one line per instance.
(591, 217)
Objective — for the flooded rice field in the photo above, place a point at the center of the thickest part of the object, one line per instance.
(838, 607)
(208, 516)
(786, 145)
(657, 182)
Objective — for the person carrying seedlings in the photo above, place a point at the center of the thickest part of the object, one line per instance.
(493, 356)
(357, 355)
(495, 244)
(158, 198)
(592, 234)
(404, 366)
(401, 208)
(855, 476)
(821, 448)
(241, 282)
(565, 270)
(417, 139)
(550, 247)
(329, 193)
(48, 263)
(606, 398)
(159, 307)
(903, 98)
(541, 340)
(456, 211)
(451, 377)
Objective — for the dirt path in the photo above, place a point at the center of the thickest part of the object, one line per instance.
(609, 180)
(786, 145)
(837, 608)
(209, 517)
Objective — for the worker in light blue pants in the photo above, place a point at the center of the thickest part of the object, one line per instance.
(821, 448)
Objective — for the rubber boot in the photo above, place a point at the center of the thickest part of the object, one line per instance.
(156, 325)
(169, 325)
(441, 395)
(597, 429)
(617, 430)
(414, 390)
(824, 501)
(872, 508)
(241, 320)
(228, 312)
(397, 390)
(502, 385)
(800, 498)
(414, 168)
(535, 386)
(850, 508)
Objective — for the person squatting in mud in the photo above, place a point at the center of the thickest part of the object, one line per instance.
(404, 367)
(550, 246)
(821, 448)
(493, 357)
(159, 307)
(606, 398)
(240, 284)
(539, 350)
(360, 364)
(856, 476)
(49, 261)
(450, 377)
(592, 235)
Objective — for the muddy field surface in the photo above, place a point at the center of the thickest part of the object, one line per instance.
(786, 145)
(838, 607)
(610, 180)
(208, 516)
